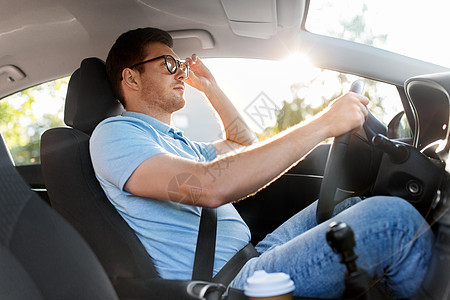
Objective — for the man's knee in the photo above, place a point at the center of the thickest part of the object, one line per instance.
(392, 208)
(389, 203)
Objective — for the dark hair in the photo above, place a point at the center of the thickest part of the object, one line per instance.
(128, 50)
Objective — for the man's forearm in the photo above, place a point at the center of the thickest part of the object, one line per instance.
(236, 129)
(243, 173)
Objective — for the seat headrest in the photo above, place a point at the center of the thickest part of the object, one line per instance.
(89, 97)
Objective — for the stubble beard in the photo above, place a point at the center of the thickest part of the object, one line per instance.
(168, 104)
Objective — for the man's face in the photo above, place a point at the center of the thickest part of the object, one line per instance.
(160, 89)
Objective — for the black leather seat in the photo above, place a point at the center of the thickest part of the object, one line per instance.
(41, 255)
(76, 194)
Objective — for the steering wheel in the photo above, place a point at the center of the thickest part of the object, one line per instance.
(330, 193)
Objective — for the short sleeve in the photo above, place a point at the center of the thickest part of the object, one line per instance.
(118, 147)
(206, 149)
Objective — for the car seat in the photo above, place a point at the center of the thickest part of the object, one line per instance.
(41, 255)
(77, 195)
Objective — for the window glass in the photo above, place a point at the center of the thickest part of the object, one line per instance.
(274, 95)
(26, 115)
(410, 27)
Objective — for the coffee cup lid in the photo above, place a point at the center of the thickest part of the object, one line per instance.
(263, 284)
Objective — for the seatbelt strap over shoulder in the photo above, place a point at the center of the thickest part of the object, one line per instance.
(206, 245)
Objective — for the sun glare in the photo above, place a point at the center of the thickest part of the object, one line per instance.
(298, 66)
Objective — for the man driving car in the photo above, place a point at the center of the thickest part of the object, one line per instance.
(159, 180)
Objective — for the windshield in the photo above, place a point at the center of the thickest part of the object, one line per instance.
(413, 28)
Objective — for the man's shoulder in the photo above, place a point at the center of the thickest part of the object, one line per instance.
(121, 131)
(119, 121)
(115, 136)
(119, 124)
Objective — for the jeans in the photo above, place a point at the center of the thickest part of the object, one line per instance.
(393, 242)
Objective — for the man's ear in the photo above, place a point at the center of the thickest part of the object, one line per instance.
(131, 78)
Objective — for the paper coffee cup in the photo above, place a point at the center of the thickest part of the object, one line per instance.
(273, 286)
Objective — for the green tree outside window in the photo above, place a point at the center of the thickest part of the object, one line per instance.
(26, 115)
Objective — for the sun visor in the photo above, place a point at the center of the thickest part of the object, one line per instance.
(192, 39)
(262, 18)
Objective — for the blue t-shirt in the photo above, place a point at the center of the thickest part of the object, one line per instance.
(168, 230)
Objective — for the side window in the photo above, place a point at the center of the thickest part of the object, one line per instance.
(275, 95)
(27, 114)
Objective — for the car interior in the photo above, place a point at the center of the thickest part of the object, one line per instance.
(62, 238)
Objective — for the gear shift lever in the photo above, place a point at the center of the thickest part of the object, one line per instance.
(340, 237)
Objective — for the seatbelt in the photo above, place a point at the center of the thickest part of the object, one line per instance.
(206, 245)
(205, 251)
(235, 264)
